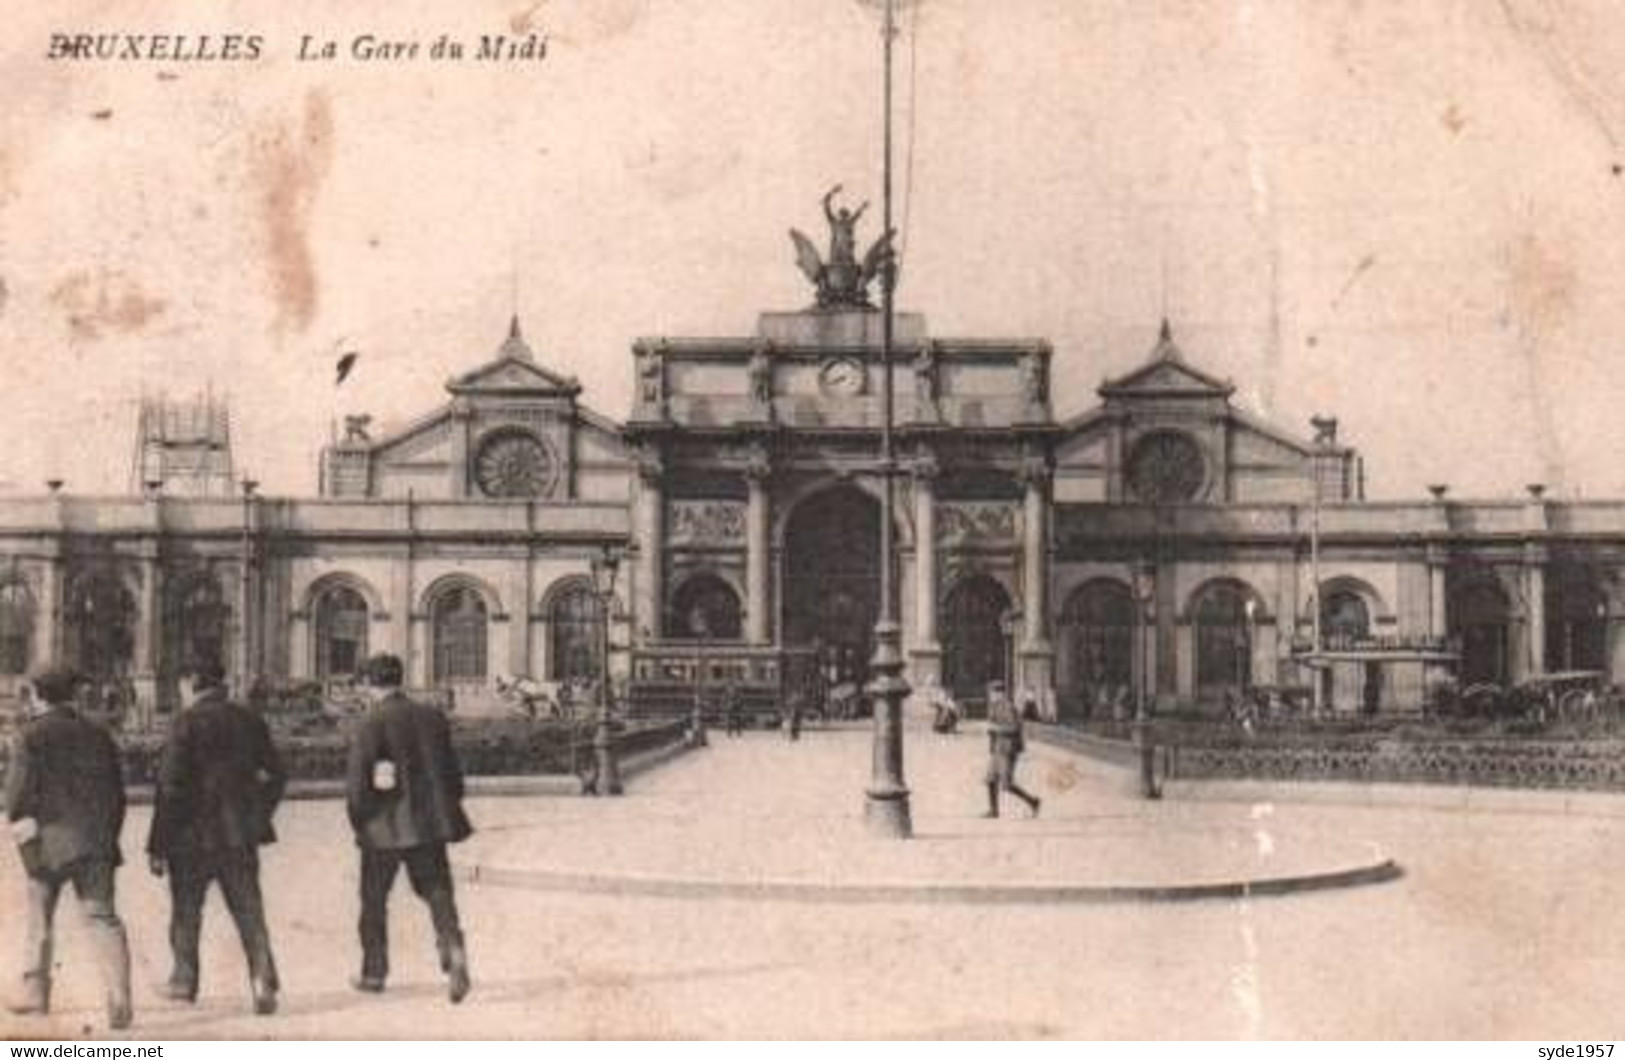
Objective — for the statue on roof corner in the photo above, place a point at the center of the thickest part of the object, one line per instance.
(842, 281)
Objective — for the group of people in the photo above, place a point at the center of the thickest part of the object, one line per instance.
(220, 781)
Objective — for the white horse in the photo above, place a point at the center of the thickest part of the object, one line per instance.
(533, 698)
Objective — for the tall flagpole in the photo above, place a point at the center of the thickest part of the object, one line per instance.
(886, 807)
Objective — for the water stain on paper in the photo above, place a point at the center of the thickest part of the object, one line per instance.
(103, 302)
(289, 161)
(600, 20)
(1543, 282)
(1062, 777)
(525, 21)
(676, 172)
(1542, 286)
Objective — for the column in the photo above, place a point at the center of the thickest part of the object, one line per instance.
(651, 520)
(1438, 617)
(148, 637)
(1037, 655)
(926, 651)
(461, 419)
(1534, 568)
(396, 638)
(1171, 638)
(412, 640)
(1535, 598)
(301, 665)
(758, 605)
(1143, 583)
(246, 596)
(48, 616)
(521, 605)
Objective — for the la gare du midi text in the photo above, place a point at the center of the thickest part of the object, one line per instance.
(488, 47)
(250, 47)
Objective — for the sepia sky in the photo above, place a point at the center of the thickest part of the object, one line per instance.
(1409, 213)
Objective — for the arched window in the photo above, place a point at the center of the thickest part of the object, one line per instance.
(99, 626)
(574, 626)
(706, 608)
(458, 622)
(1480, 616)
(16, 627)
(1097, 632)
(195, 619)
(341, 632)
(1344, 619)
(1224, 639)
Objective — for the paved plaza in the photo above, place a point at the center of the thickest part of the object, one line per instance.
(1502, 924)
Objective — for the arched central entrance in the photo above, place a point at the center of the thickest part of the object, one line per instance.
(832, 580)
(973, 647)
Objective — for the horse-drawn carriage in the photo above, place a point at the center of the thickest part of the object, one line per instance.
(1569, 696)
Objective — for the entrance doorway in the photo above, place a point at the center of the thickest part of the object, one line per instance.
(973, 648)
(832, 581)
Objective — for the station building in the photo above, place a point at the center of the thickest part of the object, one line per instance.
(1164, 542)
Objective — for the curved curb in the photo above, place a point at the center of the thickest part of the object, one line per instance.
(780, 890)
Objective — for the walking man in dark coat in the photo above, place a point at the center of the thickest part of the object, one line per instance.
(1004, 744)
(405, 792)
(219, 783)
(65, 804)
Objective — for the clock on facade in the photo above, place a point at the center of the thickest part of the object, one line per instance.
(513, 464)
(842, 376)
(1166, 467)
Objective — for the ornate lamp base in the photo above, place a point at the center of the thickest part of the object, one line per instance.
(886, 803)
(609, 766)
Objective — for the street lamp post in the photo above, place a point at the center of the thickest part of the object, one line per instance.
(250, 661)
(604, 569)
(886, 803)
(697, 721)
(1144, 595)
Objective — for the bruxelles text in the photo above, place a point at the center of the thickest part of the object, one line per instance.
(157, 47)
(251, 47)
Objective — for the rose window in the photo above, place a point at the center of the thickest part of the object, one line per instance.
(513, 464)
(1166, 467)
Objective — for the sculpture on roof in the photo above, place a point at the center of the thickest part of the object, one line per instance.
(842, 281)
(356, 428)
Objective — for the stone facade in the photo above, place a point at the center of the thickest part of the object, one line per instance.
(1163, 543)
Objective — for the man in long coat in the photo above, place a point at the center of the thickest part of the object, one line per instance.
(405, 795)
(65, 804)
(219, 783)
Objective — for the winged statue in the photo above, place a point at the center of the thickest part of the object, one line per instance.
(842, 281)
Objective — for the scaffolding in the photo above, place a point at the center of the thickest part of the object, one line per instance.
(183, 447)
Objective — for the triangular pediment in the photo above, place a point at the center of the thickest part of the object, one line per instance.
(1166, 374)
(1165, 378)
(509, 374)
(514, 371)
